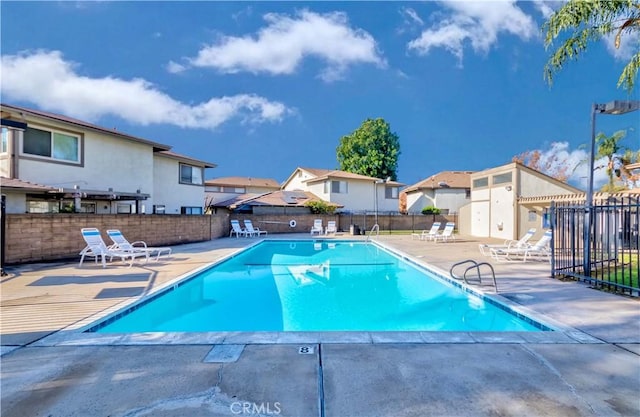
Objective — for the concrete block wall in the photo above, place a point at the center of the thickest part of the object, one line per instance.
(46, 237)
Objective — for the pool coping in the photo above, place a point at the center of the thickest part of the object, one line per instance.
(76, 335)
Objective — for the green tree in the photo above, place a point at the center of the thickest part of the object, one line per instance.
(609, 147)
(588, 21)
(370, 150)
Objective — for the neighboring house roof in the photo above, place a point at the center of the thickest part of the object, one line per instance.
(444, 179)
(183, 158)
(244, 182)
(235, 199)
(19, 185)
(325, 174)
(79, 123)
(273, 199)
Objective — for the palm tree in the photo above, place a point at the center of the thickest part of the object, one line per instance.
(588, 21)
(609, 147)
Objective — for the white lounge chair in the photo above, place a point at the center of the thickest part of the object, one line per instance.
(427, 234)
(447, 233)
(237, 229)
(522, 243)
(317, 227)
(121, 243)
(331, 227)
(97, 248)
(251, 231)
(541, 250)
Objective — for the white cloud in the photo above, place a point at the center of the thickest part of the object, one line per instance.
(175, 68)
(477, 23)
(411, 15)
(547, 7)
(629, 45)
(574, 163)
(46, 79)
(280, 47)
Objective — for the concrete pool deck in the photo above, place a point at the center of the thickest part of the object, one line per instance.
(592, 370)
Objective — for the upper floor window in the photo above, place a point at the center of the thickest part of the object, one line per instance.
(51, 144)
(335, 187)
(391, 192)
(502, 178)
(4, 145)
(481, 182)
(215, 189)
(190, 174)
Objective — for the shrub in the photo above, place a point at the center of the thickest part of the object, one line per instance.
(320, 207)
(430, 210)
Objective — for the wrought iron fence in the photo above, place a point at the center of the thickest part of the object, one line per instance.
(611, 262)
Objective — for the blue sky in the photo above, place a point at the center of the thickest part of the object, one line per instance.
(262, 88)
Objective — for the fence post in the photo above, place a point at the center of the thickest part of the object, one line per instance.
(3, 232)
(552, 219)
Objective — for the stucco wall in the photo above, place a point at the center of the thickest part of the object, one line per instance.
(104, 159)
(169, 192)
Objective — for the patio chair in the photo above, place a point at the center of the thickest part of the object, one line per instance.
(97, 248)
(331, 227)
(317, 227)
(541, 250)
(248, 226)
(485, 249)
(237, 229)
(427, 234)
(447, 233)
(121, 243)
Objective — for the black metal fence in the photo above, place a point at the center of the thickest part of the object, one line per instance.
(611, 259)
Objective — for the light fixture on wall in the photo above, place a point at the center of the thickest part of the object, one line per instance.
(508, 188)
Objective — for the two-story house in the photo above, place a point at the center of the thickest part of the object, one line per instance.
(354, 192)
(447, 190)
(93, 169)
(223, 189)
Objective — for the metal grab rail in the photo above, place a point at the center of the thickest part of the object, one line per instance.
(475, 265)
(375, 227)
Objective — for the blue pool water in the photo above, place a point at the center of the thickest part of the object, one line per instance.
(316, 286)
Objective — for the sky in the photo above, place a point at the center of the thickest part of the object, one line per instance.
(261, 88)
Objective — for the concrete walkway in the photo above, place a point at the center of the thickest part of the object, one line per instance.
(591, 368)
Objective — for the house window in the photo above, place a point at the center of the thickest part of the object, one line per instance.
(43, 206)
(533, 215)
(4, 145)
(88, 208)
(124, 209)
(51, 144)
(215, 189)
(467, 193)
(239, 190)
(481, 182)
(190, 174)
(502, 178)
(391, 192)
(190, 210)
(335, 187)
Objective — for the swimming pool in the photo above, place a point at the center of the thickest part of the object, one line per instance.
(315, 286)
